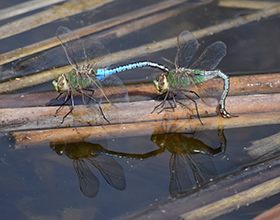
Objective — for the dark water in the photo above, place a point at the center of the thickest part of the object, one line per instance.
(41, 182)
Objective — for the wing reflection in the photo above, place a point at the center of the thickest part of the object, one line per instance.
(188, 154)
(109, 168)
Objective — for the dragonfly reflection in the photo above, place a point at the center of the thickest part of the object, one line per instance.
(109, 168)
(188, 151)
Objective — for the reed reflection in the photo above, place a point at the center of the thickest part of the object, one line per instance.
(81, 152)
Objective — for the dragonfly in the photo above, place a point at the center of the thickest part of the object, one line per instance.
(183, 78)
(91, 77)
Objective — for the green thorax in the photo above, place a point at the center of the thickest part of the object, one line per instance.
(183, 77)
(79, 78)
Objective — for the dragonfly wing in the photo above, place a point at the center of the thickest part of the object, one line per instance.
(208, 93)
(208, 86)
(88, 182)
(90, 88)
(115, 91)
(187, 47)
(110, 169)
(72, 45)
(211, 56)
(179, 178)
(97, 54)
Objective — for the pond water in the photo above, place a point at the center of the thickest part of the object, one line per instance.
(113, 178)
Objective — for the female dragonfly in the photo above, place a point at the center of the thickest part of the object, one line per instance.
(91, 77)
(183, 78)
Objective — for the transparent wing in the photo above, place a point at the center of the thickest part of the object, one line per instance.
(97, 55)
(209, 86)
(90, 88)
(202, 167)
(115, 91)
(182, 81)
(72, 45)
(110, 169)
(187, 47)
(210, 57)
(179, 178)
(111, 90)
(88, 182)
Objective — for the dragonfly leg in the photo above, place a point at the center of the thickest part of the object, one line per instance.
(195, 107)
(72, 107)
(186, 91)
(163, 103)
(55, 99)
(175, 105)
(89, 97)
(93, 99)
(194, 93)
(171, 107)
(92, 92)
(103, 113)
(159, 96)
(67, 97)
(160, 104)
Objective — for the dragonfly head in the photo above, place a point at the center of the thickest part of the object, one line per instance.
(60, 84)
(159, 140)
(161, 83)
(58, 148)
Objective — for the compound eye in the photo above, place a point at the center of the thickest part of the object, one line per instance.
(54, 83)
(60, 85)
